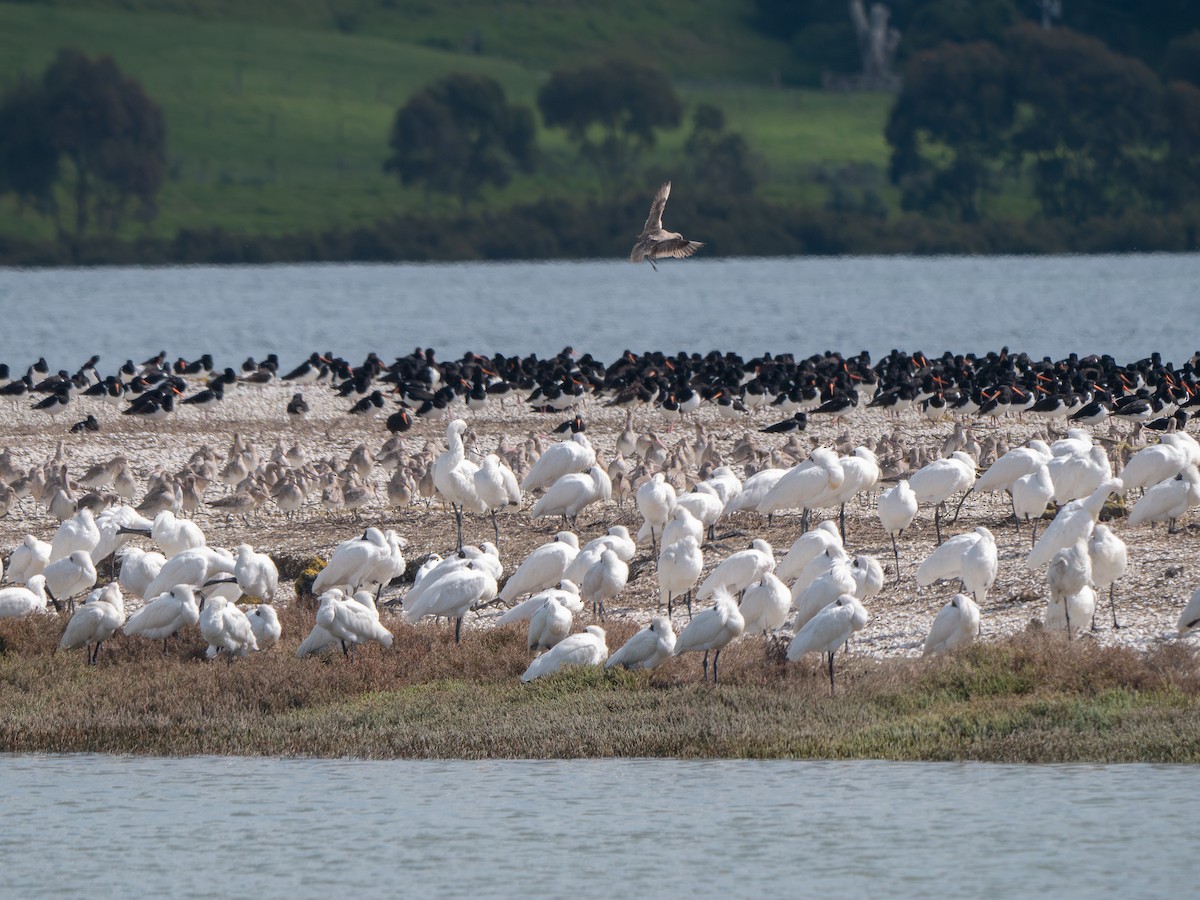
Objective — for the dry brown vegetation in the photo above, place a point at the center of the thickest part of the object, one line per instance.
(1032, 698)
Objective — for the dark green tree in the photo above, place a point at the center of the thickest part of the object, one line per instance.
(1179, 183)
(721, 160)
(959, 21)
(459, 135)
(1182, 61)
(950, 128)
(28, 158)
(611, 110)
(90, 130)
(1090, 121)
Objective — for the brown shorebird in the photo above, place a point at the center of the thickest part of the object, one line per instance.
(654, 242)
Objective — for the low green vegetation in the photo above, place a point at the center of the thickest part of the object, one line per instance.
(1034, 698)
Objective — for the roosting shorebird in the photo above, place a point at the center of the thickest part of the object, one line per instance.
(655, 242)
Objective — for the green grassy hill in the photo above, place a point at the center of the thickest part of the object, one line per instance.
(278, 112)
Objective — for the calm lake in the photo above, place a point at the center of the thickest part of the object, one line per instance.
(1129, 306)
(220, 827)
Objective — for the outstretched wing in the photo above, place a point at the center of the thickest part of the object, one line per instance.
(654, 220)
(676, 248)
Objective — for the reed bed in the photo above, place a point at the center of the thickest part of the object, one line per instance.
(1034, 697)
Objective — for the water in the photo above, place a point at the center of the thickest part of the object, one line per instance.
(1128, 306)
(111, 826)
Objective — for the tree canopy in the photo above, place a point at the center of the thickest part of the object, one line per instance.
(90, 130)
(949, 127)
(611, 110)
(459, 135)
(720, 159)
(1089, 129)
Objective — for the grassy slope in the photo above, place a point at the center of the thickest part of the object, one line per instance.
(277, 128)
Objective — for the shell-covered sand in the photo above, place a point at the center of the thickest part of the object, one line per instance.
(1162, 572)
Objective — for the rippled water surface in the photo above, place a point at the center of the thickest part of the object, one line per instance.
(1129, 306)
(219, 827)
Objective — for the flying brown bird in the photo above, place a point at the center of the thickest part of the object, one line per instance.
(654, 242)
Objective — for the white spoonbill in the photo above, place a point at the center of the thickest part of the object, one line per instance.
(318, 638)
(682, 523)
(429, 575)
(95, 622)
(195, 567)
(390, 566)
(496, 486)
(1071, 596)
(940, 480)
(572, 493)
(868, 576)
(567, 594)
(351, 620)
(647, 649)
(765, 605)
(945, 561)
(587, 648)
(980, 565)
(454, 475)
(739, 570)
(829, 629)
(725, 482)
(679, 568)
(544, 567)
(1017, 462)
(1190, 617)
(754, 491)
(1168, 500)
(956, 624)
(1110, 559)
(712, 629)
(30, 558)
(351, 562)
(76, 533)
(564, 458)
(68, 577)
(18, 602)
(138, 568)
(256, 574)
(806, 548)
(604, 581)
(1077, 475)
(817, 567)
(1074, 522)
(656, 501)
(897, 508)
(618, 540)
(704, 503)
(549, 625)
(225, 628)
(1150, 465)
(165, 615)
(264, 622)
(860, 473)
(454, 594)
(804, 484)
(1030, 495)
(825, 589)
(172, 533)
